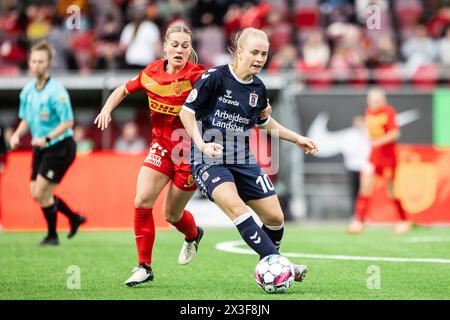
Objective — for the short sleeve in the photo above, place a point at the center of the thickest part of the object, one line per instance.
(62, 105)
(200, 96)
(196, 73)
(261, 122)
(134, 84)
(22, 105)
(392, 123)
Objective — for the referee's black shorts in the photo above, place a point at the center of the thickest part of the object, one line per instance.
(54, 161)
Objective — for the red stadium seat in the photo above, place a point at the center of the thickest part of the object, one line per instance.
(307, 18)
(318, 79)
(9, 70)
(426, 77)
(408, 12)
(389, 76)
(359, 77)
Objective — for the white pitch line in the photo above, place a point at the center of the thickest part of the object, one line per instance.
(232, 246)
(426, 239)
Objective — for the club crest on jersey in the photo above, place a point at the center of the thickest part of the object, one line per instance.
(253, 101)
(177, 88)
(192, 96)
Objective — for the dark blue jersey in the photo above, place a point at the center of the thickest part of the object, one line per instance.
(226, 109)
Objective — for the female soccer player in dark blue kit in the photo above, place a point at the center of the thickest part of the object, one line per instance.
(226, 102)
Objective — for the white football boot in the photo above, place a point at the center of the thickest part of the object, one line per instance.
(140, 274)
(190, 248)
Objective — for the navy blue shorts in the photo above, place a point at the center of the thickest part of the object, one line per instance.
(252, 182)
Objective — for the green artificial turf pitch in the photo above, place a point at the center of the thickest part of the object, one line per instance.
(105, 260)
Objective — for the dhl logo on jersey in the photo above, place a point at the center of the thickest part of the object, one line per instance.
(163, 107)
(376, 123)
(176, 88)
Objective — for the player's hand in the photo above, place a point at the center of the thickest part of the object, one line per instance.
(39, 143)
(103, 119)
(266, 112)
(307, 144)
(14, 141)
(212, 150)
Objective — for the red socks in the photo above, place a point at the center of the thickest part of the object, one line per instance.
(144, 233)
(187, 226)
(399, 207)
(361, 207)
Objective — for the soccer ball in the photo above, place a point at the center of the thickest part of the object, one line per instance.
(274, 274)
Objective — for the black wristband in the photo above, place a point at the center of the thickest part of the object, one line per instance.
(47, 139)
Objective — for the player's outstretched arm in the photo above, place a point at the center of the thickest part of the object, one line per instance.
(104, 117)
(275, 129)
(14, 141)
(212, 149)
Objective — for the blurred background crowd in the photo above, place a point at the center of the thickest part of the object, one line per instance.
(325, 43)
(330, 38)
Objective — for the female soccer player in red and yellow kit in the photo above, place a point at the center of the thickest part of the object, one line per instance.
(168, 82)
(384, 132)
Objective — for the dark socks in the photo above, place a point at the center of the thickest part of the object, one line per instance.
(50, 216)
(62, 207)
(275, 234)
(254, 236)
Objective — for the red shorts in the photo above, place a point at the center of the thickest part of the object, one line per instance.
(159, 159)
(386, 171)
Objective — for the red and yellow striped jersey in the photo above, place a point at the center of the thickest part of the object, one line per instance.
(379, 122)
(166, 95)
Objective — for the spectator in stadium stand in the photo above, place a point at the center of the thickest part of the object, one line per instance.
(167, 83)
(316, 53)
(85, 145)
(210, 44)
(386, 51)
(279, 30)
(438, 23)
(46, 111)
(444, 49)
(226, 172)
(129, 141)
(107, 35)
(57, 39)
(140, 39)
(384, 131)
(419, 50)
(38, 22)
(283, 60)
(169, 11)
(207, 12)
(13, 48)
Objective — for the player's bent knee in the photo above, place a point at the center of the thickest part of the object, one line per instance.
(38, 196)
(172, 216)
(275, 221)
(235, 211)
(143, 202)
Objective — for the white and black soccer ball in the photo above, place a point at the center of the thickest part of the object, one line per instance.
(274, 274)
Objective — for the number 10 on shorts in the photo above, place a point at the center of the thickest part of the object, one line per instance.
(265, 183)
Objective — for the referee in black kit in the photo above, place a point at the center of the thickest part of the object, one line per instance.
(45, 110)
